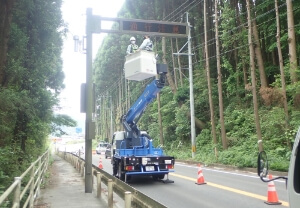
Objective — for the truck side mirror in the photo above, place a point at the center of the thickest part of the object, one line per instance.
(262, 164)
(263, 168)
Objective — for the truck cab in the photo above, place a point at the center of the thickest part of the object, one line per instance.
(119, 137)
(293, 179)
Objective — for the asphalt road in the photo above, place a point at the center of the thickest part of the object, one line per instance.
(224, 188)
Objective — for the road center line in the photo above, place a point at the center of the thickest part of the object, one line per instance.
(245, 193)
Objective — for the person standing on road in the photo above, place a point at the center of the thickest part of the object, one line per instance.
(147, 44)
(132, 48)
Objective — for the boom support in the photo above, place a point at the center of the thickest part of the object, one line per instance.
(131, 118)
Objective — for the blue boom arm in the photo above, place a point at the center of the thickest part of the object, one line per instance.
(132, 117)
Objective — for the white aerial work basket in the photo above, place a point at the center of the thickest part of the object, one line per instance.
(140, 65)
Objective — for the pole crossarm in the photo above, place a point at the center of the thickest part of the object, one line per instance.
(142, 27)
(179, 53)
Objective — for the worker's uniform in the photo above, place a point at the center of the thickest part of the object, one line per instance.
(147, 45)
(132, 48)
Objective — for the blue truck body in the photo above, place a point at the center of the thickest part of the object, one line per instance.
(133, 151)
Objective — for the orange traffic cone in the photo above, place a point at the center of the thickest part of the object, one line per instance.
(100, 164)
(272, 194)
(200, 179)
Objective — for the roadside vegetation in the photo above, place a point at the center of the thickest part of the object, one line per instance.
(242, 148)
(31, 79)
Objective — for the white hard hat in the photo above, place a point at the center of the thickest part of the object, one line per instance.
(132, 38)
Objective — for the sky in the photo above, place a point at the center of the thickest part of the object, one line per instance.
(74, 63)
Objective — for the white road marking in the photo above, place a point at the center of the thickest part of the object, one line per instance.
(225, 172)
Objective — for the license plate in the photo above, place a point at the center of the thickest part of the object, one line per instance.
(149, 168)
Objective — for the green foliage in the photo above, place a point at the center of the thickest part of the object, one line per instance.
(205, 149)
(272, 124)
(182, 123)
(242, 155)
(182, 95)
(60, 121)
(33, 79)
(242, 141)
(235, 76)
(239, 124)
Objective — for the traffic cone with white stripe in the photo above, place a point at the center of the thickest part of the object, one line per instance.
(200, 179)
(100, 163)
(272, 194)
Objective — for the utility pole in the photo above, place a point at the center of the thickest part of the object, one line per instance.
(192, 107)
(111, 121)
(88, 105)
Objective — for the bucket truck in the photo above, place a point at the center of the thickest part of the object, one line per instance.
(133, 152)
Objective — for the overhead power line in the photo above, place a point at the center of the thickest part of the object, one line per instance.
(181, 10)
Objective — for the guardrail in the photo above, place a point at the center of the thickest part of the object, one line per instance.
(31, 189)
(131, 196)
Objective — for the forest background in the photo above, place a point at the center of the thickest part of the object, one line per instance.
(245, 72)
(246, 87)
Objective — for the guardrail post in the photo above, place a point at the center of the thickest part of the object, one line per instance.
(78, 159)
(73, 161)
(16, 202)
(48, 159)
(98, 184)
(82, 169)
(93, 177)
(65, 153)
(32, 185)
(39, 177)
(110, 193)
(128, 197)
(79, 165)
(76, 164)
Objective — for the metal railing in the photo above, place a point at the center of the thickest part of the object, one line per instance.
(131, 196)
(31, 189)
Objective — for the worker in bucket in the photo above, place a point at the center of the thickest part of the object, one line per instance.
(132, 48)
(147, 44)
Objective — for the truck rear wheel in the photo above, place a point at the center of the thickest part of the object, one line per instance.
(121, 174)
(115, 169)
